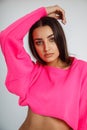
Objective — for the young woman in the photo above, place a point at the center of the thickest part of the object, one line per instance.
(55, 86)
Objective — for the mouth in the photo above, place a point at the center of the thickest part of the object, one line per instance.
(48, 55)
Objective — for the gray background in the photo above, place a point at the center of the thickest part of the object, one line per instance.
(11, 114)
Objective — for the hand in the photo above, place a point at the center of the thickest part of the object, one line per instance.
(56, 12)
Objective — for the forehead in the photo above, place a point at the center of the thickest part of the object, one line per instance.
(43, 31)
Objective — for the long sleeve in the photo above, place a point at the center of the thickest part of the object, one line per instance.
(82, 125)
(19, 28)
(19, 64)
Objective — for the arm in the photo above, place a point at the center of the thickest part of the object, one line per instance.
(82, 124)
(19, 64)
(19, 28)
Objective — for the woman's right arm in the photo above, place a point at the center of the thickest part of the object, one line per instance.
(19, 64)
(19, 28)
(11, 40)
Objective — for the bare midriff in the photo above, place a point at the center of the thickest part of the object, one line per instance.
(38, 122)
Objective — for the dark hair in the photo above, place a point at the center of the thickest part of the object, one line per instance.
(59, 37)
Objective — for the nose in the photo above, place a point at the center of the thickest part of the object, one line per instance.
(46, 46)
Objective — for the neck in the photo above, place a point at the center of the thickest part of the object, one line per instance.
(58, 64)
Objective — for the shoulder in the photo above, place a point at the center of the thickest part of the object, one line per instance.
(80, 67)
(82, 64)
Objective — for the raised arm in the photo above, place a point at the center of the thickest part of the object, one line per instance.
(19, 64)
(21, 26)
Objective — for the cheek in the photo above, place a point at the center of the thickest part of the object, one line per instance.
(57, 51)
(38, 50)
(55, 48)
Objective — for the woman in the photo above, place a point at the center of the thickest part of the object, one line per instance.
(55, 86)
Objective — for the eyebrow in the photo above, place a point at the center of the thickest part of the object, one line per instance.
(47, 37)
(50, 35)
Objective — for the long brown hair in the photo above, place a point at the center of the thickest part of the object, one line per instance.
(59, 37)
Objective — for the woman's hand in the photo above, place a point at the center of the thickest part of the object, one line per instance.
(56, 12)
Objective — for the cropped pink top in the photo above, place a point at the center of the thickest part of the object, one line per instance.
(48, 91)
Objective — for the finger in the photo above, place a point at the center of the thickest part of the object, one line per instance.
(57, 16)
(61, 14)
(53, 15)
(61, 17)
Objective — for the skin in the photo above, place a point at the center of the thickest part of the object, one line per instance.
(34, 121)
(46, 47)
(57, 12)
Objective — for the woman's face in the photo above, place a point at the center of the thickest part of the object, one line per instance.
(45, 45)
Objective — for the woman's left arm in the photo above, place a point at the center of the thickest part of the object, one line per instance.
(82, 125)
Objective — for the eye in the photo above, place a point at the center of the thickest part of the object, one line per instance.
(39, 42)
(52, 39)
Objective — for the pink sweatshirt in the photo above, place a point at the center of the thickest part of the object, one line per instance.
(48, 91)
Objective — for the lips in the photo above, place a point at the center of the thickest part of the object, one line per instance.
(48, 55)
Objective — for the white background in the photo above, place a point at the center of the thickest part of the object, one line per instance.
(11, 114)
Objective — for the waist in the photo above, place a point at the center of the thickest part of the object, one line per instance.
(39, 122)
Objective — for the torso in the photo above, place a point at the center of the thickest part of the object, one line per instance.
(34, 121)
(38, 122)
